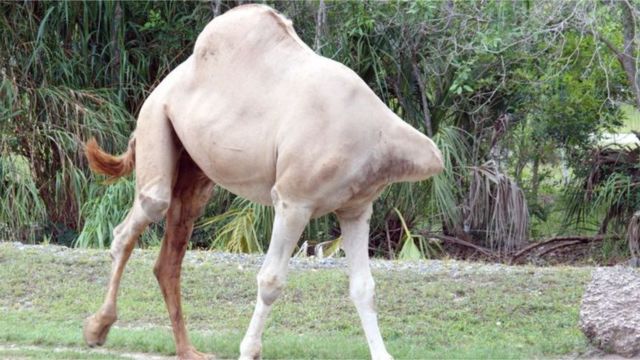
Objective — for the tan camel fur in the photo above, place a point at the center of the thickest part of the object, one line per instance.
(257, 112)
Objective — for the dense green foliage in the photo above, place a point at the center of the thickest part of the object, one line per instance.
(510, 91)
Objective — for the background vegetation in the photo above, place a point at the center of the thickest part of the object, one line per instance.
(518, 95)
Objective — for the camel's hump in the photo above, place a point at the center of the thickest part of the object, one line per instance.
(246, 31)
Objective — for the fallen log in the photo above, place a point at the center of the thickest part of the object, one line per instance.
(562, 241)
(457, 241)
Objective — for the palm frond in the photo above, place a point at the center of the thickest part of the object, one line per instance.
(235, 229)
(497, 207)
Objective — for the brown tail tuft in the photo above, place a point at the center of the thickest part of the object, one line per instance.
(107, 164)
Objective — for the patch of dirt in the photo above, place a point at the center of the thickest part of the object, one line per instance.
(129, 355)
(596, 354)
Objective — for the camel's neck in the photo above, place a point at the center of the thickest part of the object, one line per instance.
(410, 155)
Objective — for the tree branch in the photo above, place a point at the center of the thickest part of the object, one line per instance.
(563, 240)
(457, 241)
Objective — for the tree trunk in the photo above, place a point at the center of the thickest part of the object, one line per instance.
(628, 55)
(423, 98)
(115, 50)
(215, 7)
(604, 226)
(535, 177)
(321, 19)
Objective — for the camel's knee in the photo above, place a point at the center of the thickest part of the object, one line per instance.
(158, 271)
(166, 279)
(154, 201)
(142, 213)
(164, 273)
(362, 289)
(270, 286)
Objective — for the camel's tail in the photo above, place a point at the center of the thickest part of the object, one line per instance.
(107, 164)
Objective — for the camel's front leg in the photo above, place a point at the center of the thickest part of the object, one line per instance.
(190, 195)
(288, 225)
(355, 241)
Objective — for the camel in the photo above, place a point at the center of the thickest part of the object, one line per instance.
(255, 111)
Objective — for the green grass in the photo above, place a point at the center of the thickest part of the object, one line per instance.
(460, 310)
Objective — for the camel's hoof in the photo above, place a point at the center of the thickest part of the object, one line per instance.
(193, 354)
(250, 349)
(245, 357)
(250, 355)
(383, 356)
(254, 355)
(95, 331)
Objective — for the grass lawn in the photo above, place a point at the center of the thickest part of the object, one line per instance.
(458, 310)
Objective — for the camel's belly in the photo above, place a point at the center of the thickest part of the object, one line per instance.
(232, 173)
(258, 193)
(233, 159)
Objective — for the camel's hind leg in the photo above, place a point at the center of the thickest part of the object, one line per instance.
(190, 195)
(156, 153)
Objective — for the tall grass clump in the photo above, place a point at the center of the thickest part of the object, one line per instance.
(70, 71)
(22, 211)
